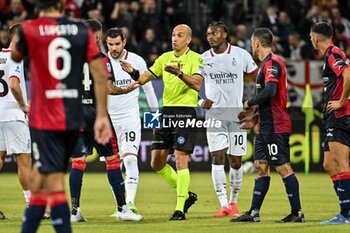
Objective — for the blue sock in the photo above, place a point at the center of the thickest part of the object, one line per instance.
(335, 183)
(344, 193)
(260, 189)
(292, 188)
(60, 216)
(76, 181)
(34, 212)
(116, 181)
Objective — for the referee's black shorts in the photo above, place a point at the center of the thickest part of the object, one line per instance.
(175, 132)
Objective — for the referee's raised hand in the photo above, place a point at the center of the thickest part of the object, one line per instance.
(173, 69)
(127, 67)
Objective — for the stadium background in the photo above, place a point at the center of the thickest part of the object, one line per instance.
(148, 25)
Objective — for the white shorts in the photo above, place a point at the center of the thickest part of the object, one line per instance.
(128, 134)
(15, 137)
(229, 136)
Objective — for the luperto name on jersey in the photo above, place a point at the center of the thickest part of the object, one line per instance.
(58, 30)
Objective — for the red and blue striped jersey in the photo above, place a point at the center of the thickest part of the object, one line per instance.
(335, 62)
(273, 114)
(57, 48)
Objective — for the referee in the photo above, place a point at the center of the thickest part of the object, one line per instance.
(180, 70)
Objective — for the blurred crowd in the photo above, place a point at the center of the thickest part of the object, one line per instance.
(147, 24)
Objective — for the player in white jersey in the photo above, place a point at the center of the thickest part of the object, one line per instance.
(124, 109)
(224, 68)
(14, 131)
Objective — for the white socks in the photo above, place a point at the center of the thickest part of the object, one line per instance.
(131, 178)
(26, 194)
(219, 180)
(236, 177)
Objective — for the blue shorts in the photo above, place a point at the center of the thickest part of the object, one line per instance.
(337, 135)
(52, 149)
(273, 148)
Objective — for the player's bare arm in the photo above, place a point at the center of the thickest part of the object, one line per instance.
(194, 82)
(114, 90)
(17, 93)
(102, 126)
(337, 104)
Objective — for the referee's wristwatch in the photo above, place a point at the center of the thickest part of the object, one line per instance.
(180, 75)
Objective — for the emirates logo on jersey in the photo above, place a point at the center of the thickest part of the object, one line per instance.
(234, 62)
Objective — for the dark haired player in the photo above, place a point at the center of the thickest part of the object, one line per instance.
(124, 109)
(224, 102)
(272, 139)
(336, 116)
(58, 47)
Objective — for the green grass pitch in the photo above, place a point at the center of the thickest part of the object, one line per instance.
(156, 201)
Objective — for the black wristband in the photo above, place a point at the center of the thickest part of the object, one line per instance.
(135, 74)
(181, 75)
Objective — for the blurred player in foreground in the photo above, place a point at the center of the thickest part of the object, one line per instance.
(57, 47)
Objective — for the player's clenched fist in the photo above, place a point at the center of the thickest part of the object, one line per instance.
(207, 104)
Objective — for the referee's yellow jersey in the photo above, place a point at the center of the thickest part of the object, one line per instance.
(176, 92)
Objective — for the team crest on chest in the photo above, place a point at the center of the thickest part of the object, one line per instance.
(109, 68)
(234, 62)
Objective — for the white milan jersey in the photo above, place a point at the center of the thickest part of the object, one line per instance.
(9, 108)
(224, 82)
(126, 105)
